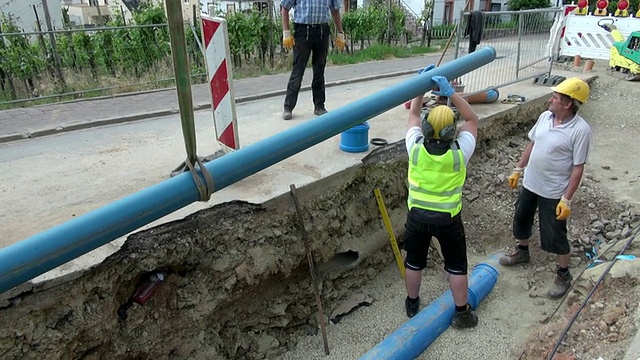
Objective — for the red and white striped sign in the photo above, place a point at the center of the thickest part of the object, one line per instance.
(216, 44)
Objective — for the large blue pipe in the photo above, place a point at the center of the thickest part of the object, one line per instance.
(414, 336)
(23, 261)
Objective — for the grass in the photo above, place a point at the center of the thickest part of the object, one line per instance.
(378, 52)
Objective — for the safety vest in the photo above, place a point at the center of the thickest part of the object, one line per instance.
(436, 181)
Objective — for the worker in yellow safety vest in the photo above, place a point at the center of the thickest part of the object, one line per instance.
(437, 172)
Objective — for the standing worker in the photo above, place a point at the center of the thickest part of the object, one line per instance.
(311, 35)
(554, 161)
(437, 172)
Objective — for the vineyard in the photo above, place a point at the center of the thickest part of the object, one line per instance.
(76, 63)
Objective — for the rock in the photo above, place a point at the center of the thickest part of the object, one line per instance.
(354, 302)
(599, 225)
(606, 167)
(267, 343)
(585, 239)
(472, 196)
(612, 315)
(613, 235)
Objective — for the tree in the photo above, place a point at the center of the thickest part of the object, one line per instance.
(515, 5)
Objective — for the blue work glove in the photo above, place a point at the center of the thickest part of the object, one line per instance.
(444, 86)
(428, 68)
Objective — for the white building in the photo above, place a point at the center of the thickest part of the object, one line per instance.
(23, 13)
(228, 6)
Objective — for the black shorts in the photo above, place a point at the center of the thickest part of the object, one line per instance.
(450, 235)
(553, 233)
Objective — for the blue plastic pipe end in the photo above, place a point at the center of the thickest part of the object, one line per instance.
(481, 283)
(355, 139)
(492, 96)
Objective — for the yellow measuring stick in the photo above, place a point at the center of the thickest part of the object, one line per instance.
(392, 236)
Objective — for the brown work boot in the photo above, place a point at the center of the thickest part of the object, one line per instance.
(516, 257)
(560, 286)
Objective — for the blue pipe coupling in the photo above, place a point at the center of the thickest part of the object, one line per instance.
(414, 336)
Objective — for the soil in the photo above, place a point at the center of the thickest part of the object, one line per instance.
(517, 320)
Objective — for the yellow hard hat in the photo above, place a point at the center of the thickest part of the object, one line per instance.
(441, 121)
(575, 88)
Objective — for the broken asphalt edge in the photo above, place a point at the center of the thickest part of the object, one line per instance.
(173, 111)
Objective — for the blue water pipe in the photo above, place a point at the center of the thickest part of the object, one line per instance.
(31, 257)
(414, 336)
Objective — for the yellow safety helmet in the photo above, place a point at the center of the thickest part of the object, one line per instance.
(575, 88)
(439, 124)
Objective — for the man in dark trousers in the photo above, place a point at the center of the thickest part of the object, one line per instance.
(310, 38)
(437, 173)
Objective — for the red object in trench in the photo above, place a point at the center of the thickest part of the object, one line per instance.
(143, 293)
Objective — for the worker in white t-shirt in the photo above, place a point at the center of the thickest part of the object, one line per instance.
(553, 164)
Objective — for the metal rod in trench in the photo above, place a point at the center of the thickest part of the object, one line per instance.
(588, 297)
(312, 269)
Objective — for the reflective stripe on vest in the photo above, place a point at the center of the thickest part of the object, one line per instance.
(436, 181)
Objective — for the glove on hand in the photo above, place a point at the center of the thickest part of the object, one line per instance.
(287, 40)
(514, 177)
(444, 86)
(563, 209)
(340, 42)
(427, 68)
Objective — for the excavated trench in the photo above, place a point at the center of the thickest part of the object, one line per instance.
(236, 280)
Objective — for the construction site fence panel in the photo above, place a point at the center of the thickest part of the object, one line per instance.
(584, 35)
(78, 63)
(521, 41)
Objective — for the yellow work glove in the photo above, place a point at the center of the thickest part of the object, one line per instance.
(340, 42)
(563, 209)
(514, 177)
(287, 40)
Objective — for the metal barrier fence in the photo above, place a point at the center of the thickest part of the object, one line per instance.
(520, 39)
(74, 63)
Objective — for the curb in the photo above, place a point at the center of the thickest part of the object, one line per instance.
(196, 107)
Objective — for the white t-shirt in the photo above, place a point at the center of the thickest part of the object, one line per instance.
(555, 151)
(465, 139)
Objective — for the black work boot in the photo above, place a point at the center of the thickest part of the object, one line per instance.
(518, 256)
(412, 308)
(464, 319)
(320, 110)
(561, 285)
